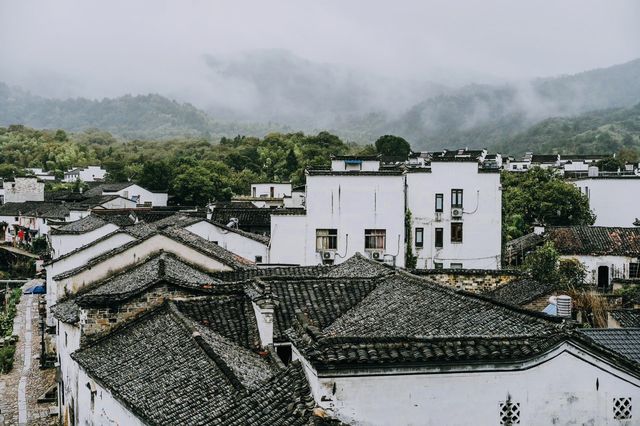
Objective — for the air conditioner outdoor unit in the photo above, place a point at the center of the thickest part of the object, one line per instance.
(376, 255)
(456, 212)
(328, 255)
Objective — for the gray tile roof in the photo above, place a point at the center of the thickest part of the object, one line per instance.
(169, 370)
(623, 341)
(628, 318)
(522, 291)
(359, 266)
(86, 224)
(280, 271)
(595, 240)
(109, 187)
(35, 209)
(263, 239)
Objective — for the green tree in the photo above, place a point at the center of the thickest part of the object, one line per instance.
(540, 196)
(542, 264)
(393, 146)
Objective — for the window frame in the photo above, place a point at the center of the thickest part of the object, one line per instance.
(454, 233)
(439, 239)
(457, 198)
(419, 243)
(439, 200)
(331, 235)
(375, 235)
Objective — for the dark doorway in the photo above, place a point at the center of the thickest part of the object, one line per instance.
(603, 277)
(285, 353)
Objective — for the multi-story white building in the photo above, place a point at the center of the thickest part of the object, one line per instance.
(456, 213)
(359, 206)
(613, 198)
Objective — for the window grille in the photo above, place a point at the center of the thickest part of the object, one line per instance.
(509, 413)
(326, 239)
(374, 239)
(456, 198)
(622, 408)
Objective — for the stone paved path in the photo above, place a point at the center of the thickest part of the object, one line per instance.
(25, 383)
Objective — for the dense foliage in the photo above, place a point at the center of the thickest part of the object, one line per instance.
(193, 170)
(6, 328)
(540, 196)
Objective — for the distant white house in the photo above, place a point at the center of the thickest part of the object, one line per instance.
(271, 190)
(40, 174)
(131, 191)
(615, 199)
(23, 189)
(85, 174)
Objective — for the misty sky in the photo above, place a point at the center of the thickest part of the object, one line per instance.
(108, 48)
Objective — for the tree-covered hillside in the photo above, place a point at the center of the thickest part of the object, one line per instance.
(606, 131)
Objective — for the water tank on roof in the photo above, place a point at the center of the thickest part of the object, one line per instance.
(564, 306)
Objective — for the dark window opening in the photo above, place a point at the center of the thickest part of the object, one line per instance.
(439, 240)
(456, 232)
(438, 265)
(285, 353)
(634, 270)
(326, 239)
(439, 203)
(419, 237)
(374, 239)
(258, 259)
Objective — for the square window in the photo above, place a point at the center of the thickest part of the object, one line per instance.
(456, 266)
(456, 232)
(509, 413)
(438, 265)
(439, 203)
(634, 270)
(419, 237)
(622, 409)
(439, 240)
(258, 259)
(326, 239)
(374, 239)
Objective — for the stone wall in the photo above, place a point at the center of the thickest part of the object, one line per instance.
(474, 280)
(96, 321)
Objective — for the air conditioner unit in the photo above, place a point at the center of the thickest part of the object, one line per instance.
(328, 255)
(456, 212)
(376, 255)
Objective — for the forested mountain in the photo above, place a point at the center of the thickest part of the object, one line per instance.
(273, 90)
(604, 131)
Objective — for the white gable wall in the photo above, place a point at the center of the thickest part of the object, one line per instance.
(231, 241)
(618, 266)
(615, 201)
(289, 240)
(279, 190)
(567, 386)
(65, 243)
(141, 195)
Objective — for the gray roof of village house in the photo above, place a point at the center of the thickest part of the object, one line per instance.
(91, 202)
(286, 271)
(81, 226)
(167, 369)
(42, 209)
(522, 291)
(628, 318)
(108, 187)
(381, 172)
(623, 341)
(247, 216)
(595, 240)
(263, 239)
(359, 266)
(143, 231)
(523, 244)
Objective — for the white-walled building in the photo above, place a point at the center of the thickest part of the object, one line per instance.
(42, 175)
(606, 252)
(271, 190)
(23, 189)
(456, 214)
(356, 207)
(615, 200)
(85, 174)
(22, 222)
(131, 191)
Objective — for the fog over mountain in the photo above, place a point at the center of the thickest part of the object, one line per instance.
(437, 73)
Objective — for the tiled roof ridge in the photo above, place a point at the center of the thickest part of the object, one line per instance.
(256, 237)
(188, 325)
(631, 366)
(323, 339)
(439, 287)
(61, 231)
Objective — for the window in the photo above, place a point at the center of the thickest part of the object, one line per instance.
(622, 408)
(456, 198)
(271, 192)
(374, 239)
(326, 239)
(634, 270)
(419, 237)
(455, 266)
(253, 191)
(258, 259)
(437, 265)
(456, 232)
(509, 413)
(514, 167)
(66, 340)
(439, 203)
(439, 238)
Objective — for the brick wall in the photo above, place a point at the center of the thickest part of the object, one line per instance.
(475, 280)
(100, 320)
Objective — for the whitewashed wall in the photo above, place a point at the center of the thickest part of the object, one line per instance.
(23, 189)
(618, 266)
(106, 409)
(64, 243)
(289, 240)
(280, 190)
(567, 386)
(67, 341)
(482, 218)
(615, 201)
(235, 243)
(119, 203)
(158, 199)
